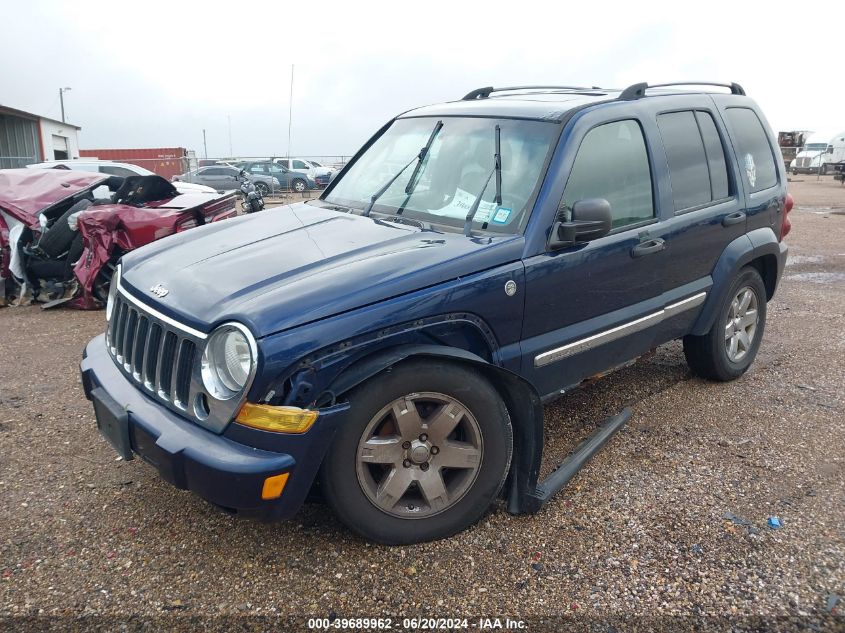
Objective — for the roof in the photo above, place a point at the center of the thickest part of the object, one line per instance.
(541, 106)
(552, 103)
(30, 115)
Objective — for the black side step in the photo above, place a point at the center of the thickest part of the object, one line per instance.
(561, 476)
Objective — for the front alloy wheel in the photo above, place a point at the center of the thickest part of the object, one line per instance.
(424, 451)
(419, 455)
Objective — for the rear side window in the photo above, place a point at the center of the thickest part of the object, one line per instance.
(697, 168)
(756, 161)
(612, 163)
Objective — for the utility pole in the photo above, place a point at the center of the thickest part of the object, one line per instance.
(231, 154)
(204, 144)
(290, 107)
(62, 92)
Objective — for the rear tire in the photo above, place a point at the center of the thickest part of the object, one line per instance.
(728, 349)
(386, 474)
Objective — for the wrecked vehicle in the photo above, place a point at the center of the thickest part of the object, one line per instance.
(59, 244)
(391, 343)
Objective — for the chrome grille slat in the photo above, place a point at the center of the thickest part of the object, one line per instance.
(129, 338)
(165, 376)
(139, 347)
(151, 356)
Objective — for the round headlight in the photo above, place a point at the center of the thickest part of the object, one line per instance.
(115, 281)
(227, 362)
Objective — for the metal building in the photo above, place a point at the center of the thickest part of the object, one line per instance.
(28, 138)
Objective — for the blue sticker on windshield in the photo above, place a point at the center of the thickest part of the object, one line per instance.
(502, 215)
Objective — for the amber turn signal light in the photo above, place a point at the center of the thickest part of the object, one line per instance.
(273, 486)
(276, 419)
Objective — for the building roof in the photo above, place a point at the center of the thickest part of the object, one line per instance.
(29, 115)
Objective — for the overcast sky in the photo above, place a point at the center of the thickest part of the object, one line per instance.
(153, 74)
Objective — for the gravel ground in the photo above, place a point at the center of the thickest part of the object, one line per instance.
(639, 538)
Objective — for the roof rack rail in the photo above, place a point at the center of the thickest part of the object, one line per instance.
(637, 91)
(483, 93)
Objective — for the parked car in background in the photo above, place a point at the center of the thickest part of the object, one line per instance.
(225, 178)
(321, 174)
(112, 168)
(59, 242)
(288, 180)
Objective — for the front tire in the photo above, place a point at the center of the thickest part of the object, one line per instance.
(299, 185)
(425, 451)
(728, 349)
(263, 188)
(824, 169)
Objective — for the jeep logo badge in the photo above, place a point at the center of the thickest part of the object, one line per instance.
(159, 291)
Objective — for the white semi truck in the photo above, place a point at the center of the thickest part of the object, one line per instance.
(820, 153)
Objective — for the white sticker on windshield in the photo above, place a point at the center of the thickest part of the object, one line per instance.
(460, 205)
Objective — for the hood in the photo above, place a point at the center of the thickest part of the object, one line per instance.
(24, 193)
(291, 265)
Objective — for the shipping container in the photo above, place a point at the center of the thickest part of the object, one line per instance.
(165, 161)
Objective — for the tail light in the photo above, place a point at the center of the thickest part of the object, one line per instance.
(785, 224)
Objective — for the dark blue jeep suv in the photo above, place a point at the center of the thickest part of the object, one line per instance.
(390, 345)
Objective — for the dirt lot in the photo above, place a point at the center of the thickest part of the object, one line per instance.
(639, 536)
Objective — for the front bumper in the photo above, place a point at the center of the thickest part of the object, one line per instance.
(227, 470)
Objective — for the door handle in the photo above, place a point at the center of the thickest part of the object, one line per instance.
(648, 247)
(733, 218)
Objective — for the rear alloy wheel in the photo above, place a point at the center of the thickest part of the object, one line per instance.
(415, 465)
(730, 346)
(299, 185)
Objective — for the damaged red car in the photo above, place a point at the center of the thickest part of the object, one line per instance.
(59, 244)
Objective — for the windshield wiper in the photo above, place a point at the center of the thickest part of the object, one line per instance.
(419, 158)
(497, 169)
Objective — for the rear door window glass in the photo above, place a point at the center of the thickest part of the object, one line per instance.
(697, 168)
(612, 163)
(688, 171)
(715, 155)
(756, 161)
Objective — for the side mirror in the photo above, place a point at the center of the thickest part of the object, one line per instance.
(591, 219)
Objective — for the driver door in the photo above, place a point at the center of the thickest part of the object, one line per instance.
(592, 306)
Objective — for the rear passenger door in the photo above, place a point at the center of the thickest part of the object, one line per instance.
(704, 196)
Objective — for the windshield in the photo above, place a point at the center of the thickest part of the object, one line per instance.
(453, 172)
(815, 147)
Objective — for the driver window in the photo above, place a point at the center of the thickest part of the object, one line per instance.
(612, 163)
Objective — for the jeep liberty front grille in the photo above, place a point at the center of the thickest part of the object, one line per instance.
(156, 355)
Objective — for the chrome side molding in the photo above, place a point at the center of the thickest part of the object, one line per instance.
(637, 325)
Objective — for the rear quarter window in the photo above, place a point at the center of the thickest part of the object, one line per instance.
(756, 161)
